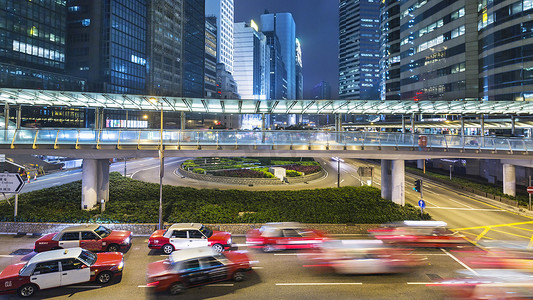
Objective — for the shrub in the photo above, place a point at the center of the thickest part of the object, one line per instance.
(292, 173)
(198, 171)
(304, 169)
(137, 201)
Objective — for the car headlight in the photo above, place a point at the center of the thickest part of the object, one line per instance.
(229, 241)
(127, 241)
(121, 265)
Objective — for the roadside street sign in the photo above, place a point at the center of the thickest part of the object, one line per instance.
(10, 183)
(421, 203)
(530, 189)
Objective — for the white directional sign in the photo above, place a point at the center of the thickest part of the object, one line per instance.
(10, 183)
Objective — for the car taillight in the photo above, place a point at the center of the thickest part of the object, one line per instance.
(151, 284)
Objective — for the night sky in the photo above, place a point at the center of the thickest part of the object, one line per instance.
(316, 27)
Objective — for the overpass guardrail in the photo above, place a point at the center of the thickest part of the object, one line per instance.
(77, 138)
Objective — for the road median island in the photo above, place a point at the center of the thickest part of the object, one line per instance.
(133, 201)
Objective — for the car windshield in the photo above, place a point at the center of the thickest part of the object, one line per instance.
(87, 257)
(206, 231)
(103, 231)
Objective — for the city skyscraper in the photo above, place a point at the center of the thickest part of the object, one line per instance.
(439, 50)
(359, 49)
(251, 68)
(193, 51)
(389, 50)
(282, 25)
(299, 75)
(107, 44)
(224, 12)
(210, 77)
(278, 73)
(165, 47)
(322, 91)
(33, 48)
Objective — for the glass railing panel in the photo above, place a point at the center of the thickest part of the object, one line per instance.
(46, 136)
(149, 137)
(109, 137)
(70, 136)
(25, 136)
(129, 137)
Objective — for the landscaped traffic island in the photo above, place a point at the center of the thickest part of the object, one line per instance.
(133, 201)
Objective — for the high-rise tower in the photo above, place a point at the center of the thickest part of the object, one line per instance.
(224, 12)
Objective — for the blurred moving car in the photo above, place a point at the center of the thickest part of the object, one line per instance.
(361, 257)
(419, 234)
(502, 258)
(92, 237)
(282, 236)
(60, 268)
(189, 235)
(489, 284)
(194, 267)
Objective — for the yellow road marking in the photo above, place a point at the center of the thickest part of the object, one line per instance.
(525, 237)
(521, 228)
(498, 225)
(488, 238)
(487, 229)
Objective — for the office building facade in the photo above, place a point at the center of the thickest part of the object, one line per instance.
(223, 10)
(107, 44)
(278, 73)
(389, 50)
(283, 27)
(299, 72)
(210, 77)
(251, 66)
(193, 48)
(33, 48)
(359, 49)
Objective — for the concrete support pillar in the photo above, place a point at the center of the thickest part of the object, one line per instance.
(101, 122)
(338, 122)
(127, 118)
(403, 124)
(6, 115)
(102, 181)
(19, 116)
(89, 185)
(513, 125)
(385, 179)
(263, 122)
(182, 121)
(509, 179)
(398, 181)
(420, 164)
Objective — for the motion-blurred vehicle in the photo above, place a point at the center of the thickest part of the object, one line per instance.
(282, 236)
(92, 237)
(194, 267)
(503, 258)
(189, 235)
(489, 284)
(360, 257)
(60, 268)
(419, 234)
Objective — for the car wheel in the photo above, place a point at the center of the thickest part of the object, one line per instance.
(104, 277)
(113, 248)
(239, 276)
(218, 248)
(167, 249)
(269, 248)
(176, 288)
(27, 290)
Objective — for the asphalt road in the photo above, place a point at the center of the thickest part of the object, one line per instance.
(275, 276)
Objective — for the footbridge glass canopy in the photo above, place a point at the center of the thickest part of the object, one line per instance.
(230, 106)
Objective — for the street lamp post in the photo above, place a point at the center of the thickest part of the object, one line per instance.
(161, 164)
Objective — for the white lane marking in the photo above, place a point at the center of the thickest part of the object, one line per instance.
(436, 206)
(428, 191)
(424, 283)
(143, 286)
(222, 284)
(84, 287)
(464, 208)
(240, 245)
(318, 283)
(460, 262)
(460, 203)
(7, 255)
(257, 268)
(436, 254)
(285, 254)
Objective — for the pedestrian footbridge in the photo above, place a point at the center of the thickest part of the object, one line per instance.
(107, 143)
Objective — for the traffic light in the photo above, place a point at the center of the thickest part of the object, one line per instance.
(418, 185)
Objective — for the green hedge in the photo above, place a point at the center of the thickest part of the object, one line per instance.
(137, 201)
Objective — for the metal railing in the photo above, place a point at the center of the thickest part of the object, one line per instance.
(85, 137)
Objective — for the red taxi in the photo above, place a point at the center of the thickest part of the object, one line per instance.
(189, 235)
(92, 237)
(282, 236)
(419, 234)
(60, 268)
(195, 267)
